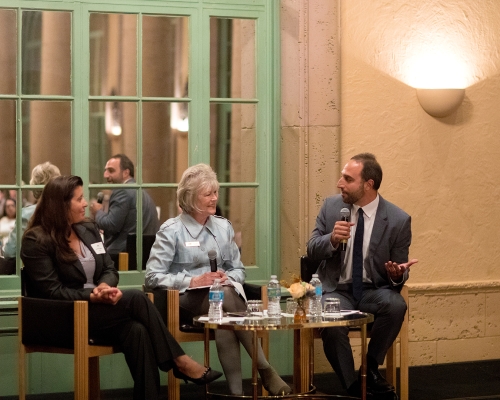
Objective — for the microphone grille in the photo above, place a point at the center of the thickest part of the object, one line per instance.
(212, 254)
(345, 212)
(100, 197)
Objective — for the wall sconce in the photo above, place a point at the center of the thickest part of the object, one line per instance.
(113, 117)
(440, 103)
(179, 118)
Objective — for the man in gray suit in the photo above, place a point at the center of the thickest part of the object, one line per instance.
(365, 273)
(121, 217)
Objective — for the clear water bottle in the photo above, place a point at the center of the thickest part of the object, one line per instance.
(215, 300)
(315, 301)
(273, 298)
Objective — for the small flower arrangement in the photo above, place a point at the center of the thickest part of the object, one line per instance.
(299, 289)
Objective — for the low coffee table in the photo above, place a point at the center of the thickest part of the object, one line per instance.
(303, 344)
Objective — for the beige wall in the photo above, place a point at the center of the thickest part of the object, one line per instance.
(441, 171)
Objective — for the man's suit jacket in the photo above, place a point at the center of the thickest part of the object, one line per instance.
(46, 277)
(390, 241)
(121, 218)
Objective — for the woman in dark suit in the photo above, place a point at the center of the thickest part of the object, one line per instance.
(64, 259)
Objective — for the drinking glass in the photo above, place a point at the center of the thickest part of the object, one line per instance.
(255, 309)
(332, 309)
(291, 305)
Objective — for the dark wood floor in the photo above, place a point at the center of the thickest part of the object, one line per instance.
(478, 381)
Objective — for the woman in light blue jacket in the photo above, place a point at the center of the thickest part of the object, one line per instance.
(179, 259)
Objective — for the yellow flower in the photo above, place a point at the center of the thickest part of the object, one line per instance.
(299, 289)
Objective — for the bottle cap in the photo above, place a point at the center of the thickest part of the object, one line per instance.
(314, 275)
(273, 277)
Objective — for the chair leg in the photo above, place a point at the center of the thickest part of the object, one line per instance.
(81, 354)
(404, 376)
(94, 379)
(22, 373)
(391, 364)
(173, 387)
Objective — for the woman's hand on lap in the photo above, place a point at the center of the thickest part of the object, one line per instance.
(207, 279)
(108, 295)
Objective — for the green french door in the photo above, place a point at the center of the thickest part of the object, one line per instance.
(168, 83)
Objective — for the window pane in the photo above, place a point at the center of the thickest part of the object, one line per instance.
(46, 135)
(112, 130)
(8, 140)
(8, 47)
(46, 52)
(232, 58)
(113, 54)
(233, 142)
(165, 55)
(166, 202)
(238, 206)
(164, 141)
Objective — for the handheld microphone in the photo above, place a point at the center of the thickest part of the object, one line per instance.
(100, 197)
(344, 215)
(212, 255)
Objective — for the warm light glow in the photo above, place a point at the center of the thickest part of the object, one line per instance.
(429, 44)
(437, 69)
(183, 125)
(178, 117)
(116, 129)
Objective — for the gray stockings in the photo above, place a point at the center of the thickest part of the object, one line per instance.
(194, 303)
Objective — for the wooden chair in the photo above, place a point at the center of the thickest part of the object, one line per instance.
(309, 267)
(56, 326)
(167, 302)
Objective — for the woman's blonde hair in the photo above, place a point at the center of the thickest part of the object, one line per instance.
(195, 179)
(41, 174)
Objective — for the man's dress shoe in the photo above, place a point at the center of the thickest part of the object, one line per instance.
(376, 383)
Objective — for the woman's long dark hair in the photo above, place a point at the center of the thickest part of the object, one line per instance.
(52, 214)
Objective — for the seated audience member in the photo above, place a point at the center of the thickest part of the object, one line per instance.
(40, 175)
(3, 197)
(8, 221)
(120, 219)
(179, 258)
(64, 259)
(368, 274)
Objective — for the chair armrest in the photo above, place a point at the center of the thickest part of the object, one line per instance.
(123, 261)
(253, 292)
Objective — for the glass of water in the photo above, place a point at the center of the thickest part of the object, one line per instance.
(291, 306)
(332, 309)
(255, 309)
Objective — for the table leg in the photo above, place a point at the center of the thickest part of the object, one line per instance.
(302, 360)
(363, 361)
(254, 364)
(207, 354)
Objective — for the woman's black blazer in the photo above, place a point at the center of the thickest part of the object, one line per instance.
(45, 277)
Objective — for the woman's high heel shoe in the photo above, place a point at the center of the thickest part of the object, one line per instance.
(208, 376)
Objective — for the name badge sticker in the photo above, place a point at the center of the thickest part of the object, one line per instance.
(98, 248)
(192, 244)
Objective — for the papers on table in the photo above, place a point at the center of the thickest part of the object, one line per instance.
(240, 317)
(343, 312)
(225, 320)
(238, 286)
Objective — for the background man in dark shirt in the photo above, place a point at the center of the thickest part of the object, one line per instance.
(121, 217)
